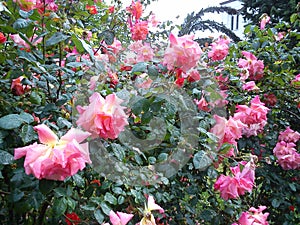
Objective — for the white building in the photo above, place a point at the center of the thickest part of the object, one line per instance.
(235, 23)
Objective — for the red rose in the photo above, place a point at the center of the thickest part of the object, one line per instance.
(2, 38)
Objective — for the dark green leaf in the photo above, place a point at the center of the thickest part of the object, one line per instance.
(59, 206)
(28, 134)
(11, 121)
(17, 195)
(140, 67)
(201, 160)
(25, 14)
(56, 38)
(105, 208)
(152, 72)
(99, 216)
(21, 23)
(26, 117)
(108, 37)
(5, 158)
(108, 197)
(46, 186)
(79, 181)
(35, 98)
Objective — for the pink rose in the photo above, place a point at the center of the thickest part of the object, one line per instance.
(119, 218)
(289, 135)
(242, 181)
(104, 118)
(183, 52)
(265, 19)
(255, 116)
(55, 159)
(219, 49)
(202, 104)
(250, 86)
(254, 67)
(287, 156)
(139, 30)
(253, 217)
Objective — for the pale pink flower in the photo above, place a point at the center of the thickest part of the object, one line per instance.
(136, 46)
(255, 116)
(252, 65)
(19, 41)
(143, 81)
(242, 181)
(119, 218)
(154, 22)
(115, 47)
(219, 49)
(264, 20)
(148, 218)
(93, 82)
(145, 53)
(139, 30)
(253, 217)
(55, 159)
(279, 36)
(182, 52)
(104, 118)
(250, 86)
(289, 135)
(287, 156)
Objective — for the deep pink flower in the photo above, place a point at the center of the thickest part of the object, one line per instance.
(202, 104)
(254, 67)
(242, 181)
(219, 49)
(119, 218)
(253, 217)
(55, 159)
(264, 20)
(182, 52)
(227, 131)
(139, 30)
(135, 9)
(193, 75)
(250, 86)
(289, 135)
(296, 81)
(255, 116)
(103, 117)
(287, 156)
(17, 87)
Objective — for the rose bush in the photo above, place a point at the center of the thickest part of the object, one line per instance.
(100, 68)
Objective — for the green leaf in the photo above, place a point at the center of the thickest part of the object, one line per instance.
(118, 151)
(99, 216)
(79, 181)
(275, 203)
(28, 134)
(60, 206)
(140, 67)
(5, 158)
(56, 38)
(110, 198)
(25, 14)
(60, 192)
(35, 98)
(108, 36)
(21, 23)
(11, 121)
(105, 208)
(292, 186)
(152, 72)
(26, 117)
(162, 157)
(201, 160)
(17, 195)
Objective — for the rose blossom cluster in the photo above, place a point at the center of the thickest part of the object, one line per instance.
(28, 5)
(231, 187)
(253, 217)
(55, 159)
(254, 68)
(219, 49)
(103, 117)
(255, 116)
(120, 218)
(227, 131)
(138, 28)
(287, 156)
